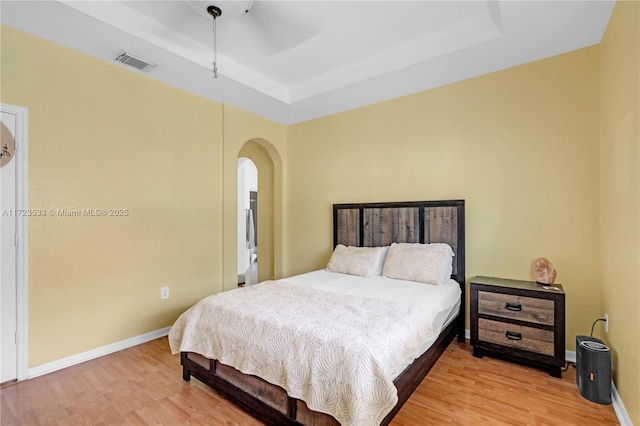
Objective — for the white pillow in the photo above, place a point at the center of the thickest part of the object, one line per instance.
(449, 250)
(444, 246)
(361, 261)
(427, 263)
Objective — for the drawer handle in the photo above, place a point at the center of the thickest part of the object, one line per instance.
(512, 335)
(513, 306)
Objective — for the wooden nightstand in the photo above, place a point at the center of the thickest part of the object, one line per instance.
(520, 321)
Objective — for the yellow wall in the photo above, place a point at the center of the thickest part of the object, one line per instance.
(101, 136)
(520, 146)
(620, 197)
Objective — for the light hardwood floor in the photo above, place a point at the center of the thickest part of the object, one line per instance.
(143, 385)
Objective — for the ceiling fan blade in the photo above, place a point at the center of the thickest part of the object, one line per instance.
(277, 26)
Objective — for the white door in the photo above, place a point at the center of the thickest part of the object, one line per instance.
(8, 250)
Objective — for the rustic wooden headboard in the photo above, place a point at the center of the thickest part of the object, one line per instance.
(380, 224)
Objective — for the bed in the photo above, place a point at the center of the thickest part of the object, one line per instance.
(405, 227)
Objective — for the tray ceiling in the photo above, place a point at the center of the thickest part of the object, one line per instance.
(292, 61)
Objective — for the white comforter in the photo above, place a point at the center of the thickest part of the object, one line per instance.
(340, 354)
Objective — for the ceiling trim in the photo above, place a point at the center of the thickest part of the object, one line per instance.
(126, 19)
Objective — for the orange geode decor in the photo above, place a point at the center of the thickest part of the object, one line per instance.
(545, 272)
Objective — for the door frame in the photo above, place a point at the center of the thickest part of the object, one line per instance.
(22, 289)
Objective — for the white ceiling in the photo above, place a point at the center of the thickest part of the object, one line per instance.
(292, 61)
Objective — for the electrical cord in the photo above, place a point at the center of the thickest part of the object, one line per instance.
(567, 365)
(594, 324)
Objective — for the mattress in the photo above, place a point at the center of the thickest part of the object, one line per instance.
(442, 301)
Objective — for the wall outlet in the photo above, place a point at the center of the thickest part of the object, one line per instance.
(164, 292)
(606, 323)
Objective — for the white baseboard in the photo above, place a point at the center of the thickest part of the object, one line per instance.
(59, 364)
(618, 407)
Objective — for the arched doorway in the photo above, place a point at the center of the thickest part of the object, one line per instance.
(254, 152)
(247, 222)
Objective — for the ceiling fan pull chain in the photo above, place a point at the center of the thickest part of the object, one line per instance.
(215, 50)
(215, 11)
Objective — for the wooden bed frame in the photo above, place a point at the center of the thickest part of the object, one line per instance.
(368, 225)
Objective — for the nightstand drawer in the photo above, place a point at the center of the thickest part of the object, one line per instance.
(539, 311)
(516, 336)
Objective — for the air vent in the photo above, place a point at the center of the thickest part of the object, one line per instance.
(134, 61)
